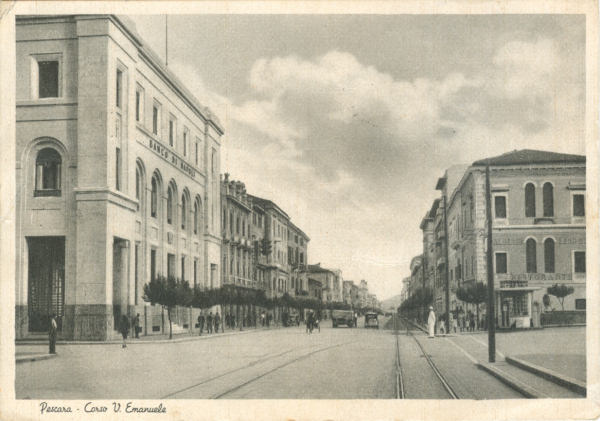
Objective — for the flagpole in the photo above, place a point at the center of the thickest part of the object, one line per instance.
(166, 40)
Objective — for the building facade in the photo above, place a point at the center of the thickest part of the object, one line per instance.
(538, 232)
(117, 177)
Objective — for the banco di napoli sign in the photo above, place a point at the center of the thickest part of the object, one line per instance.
(170, 157)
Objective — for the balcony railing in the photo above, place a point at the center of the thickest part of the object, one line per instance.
(240, 281)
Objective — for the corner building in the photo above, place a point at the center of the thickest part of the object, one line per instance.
(538, 232)
(117, 178)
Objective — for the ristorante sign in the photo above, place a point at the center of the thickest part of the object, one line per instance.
(516, 277)
(170, 157)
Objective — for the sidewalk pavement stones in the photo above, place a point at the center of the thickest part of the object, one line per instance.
(560, 379)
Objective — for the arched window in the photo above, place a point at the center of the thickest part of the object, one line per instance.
(183, 211)
(549, 255)
(196, 212)
(170, 206)
(530, 200)
(548, 192)
(154, 198)
(47, 176)
(530, 256)
(138, 181)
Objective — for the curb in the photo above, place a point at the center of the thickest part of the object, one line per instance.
(560, 379)
(512, 382)
(143, 342)
(31, 358)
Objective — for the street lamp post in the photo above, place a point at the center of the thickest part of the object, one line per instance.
(491, 320)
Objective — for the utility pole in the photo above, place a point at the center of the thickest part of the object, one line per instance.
(423, 263)
(491, 319)
(444, 191)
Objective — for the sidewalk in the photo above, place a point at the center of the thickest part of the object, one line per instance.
(26, 355)
(532, 361)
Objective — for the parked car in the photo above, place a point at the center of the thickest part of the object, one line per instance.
(342, 317)
(371, 320)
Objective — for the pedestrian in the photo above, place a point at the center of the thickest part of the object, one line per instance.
(228, 321)
(232, 321)
(209, 323)
(52, 331)
(136, 326)
(262, 319)
(471, 321)
(455, 322)
(431, 322)
(200, 323)
(124, 328)
(441, 325)
(218, 323)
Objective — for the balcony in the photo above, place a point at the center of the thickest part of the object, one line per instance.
(240, 281)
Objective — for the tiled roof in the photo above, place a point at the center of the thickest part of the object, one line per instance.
(530, 156)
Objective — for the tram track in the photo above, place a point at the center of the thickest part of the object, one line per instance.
(400, 388)
(254, 378)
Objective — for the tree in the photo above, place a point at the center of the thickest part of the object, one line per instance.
(560, 292)
(168, 292)
(473, 294)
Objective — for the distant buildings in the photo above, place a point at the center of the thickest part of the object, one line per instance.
(539, 234)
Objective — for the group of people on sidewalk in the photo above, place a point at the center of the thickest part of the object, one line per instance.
(459, 322)
(212, 323)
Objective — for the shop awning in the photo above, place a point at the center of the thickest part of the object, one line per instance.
(518, 289)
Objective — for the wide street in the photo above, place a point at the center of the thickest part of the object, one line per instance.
(288, 363)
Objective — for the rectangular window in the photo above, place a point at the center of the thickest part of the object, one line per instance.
(580, 304)
(185, 137)
(500, 207)
(212, 161)
(579, 257)
(172, 132)
(579, 205)
(196, 153)
(155, 118)
(501, 263)
(171, 265)
(119, 88)
(152, 264)
(195, 271)
(118, 169)
(183, 268)
(139, 104)
(48, 73)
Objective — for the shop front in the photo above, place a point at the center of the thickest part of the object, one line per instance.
(515, 305)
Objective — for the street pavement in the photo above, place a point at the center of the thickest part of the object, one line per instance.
(282, 363)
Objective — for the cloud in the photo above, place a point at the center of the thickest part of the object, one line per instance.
(352, 154)
(527, 69)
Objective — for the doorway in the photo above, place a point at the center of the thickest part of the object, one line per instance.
(46, 285)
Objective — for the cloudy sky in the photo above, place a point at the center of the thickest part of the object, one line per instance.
(347, 121)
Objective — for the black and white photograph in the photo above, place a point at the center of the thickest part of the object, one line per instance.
(288, 204)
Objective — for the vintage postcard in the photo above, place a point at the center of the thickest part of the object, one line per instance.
(299, 210)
